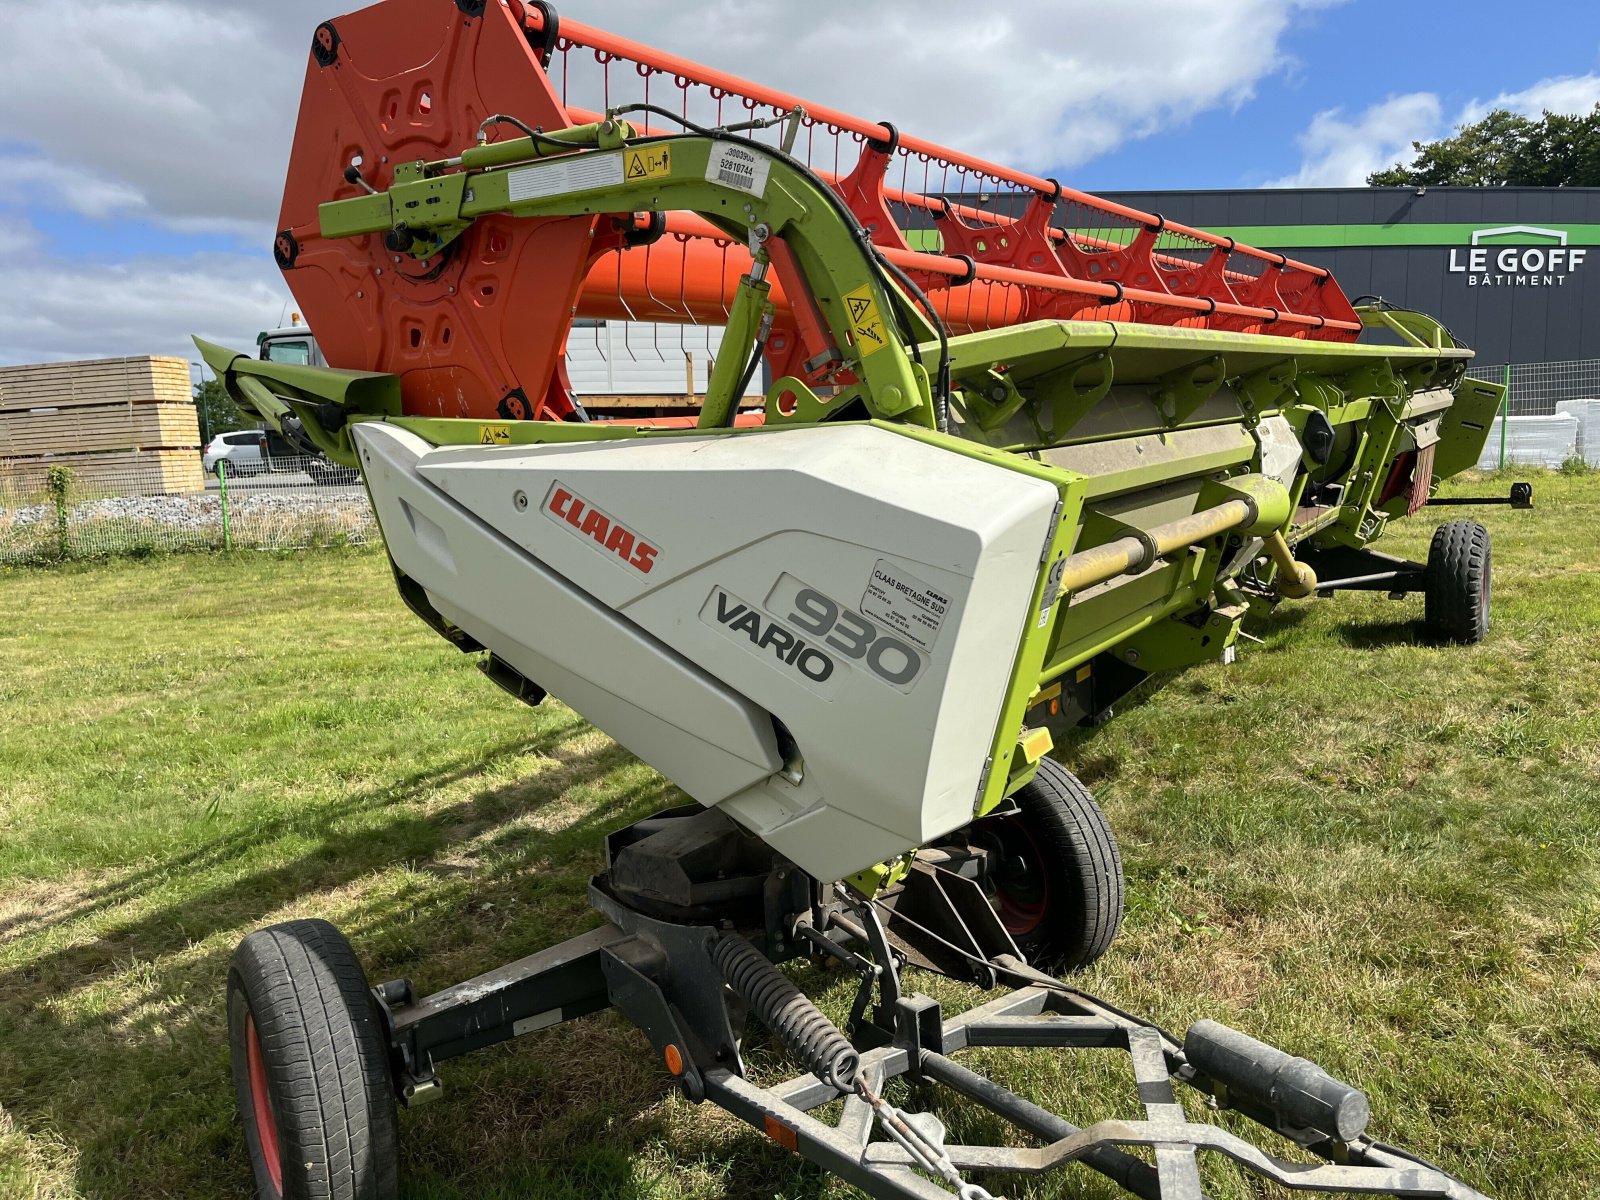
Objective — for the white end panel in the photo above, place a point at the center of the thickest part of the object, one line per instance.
(660, 706)
(866, 589)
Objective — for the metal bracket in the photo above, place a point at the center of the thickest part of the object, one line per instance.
(1179, 394)
(325, 44)
(1521, 497)
(634, 972)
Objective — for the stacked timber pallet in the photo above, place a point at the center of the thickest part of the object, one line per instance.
(118, 423)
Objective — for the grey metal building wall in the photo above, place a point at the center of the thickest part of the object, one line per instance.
(1415, 249)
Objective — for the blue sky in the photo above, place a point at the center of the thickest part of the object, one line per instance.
(1352, 56)
(139, 175)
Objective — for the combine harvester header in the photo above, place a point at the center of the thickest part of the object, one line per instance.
(1019, 456)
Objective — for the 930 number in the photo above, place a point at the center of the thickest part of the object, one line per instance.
(857, 638)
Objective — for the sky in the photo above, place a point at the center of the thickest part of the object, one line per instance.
(143, 143)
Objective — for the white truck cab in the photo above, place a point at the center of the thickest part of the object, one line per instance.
(293, 344)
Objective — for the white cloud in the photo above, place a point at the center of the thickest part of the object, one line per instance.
(1341, 151)
(188, 107)
(1046, 83)
(181, 115)
(1572, 94)
(16, 239)
(28, 180)
(192, 107)
(53, 309)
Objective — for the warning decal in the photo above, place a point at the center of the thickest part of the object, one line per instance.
(866, 322)
(494, 435)
(910, 606)
(648, 162)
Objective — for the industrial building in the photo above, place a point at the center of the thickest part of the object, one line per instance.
(1514, 272)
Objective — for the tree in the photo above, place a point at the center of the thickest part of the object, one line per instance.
(1506, 150)
(217, 411)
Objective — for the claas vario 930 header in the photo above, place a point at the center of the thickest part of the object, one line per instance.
(1021, 449)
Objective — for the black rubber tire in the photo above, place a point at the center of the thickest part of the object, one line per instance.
(1458, 583)
(322, 1065)
(1078, 866)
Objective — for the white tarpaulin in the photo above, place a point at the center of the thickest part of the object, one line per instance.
(1588, 414)
(1533, 442)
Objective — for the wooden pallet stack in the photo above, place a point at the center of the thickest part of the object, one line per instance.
(116, 423)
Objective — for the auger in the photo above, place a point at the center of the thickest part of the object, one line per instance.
(1019, 450)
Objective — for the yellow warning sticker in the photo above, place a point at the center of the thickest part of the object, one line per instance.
(866, 322)
(494, 435)
(647, 162)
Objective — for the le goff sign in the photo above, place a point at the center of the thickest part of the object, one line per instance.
(1518, 256)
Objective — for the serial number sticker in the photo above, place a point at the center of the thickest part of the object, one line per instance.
(649, 162)
(866, 322)
(494, 435)
(912, 607)
(1052, 590)
(580, 173)
(739, 168)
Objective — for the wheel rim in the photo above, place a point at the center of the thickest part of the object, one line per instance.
(261, 1105)
(1021, 896)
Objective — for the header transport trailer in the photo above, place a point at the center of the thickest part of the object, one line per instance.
(989, 491)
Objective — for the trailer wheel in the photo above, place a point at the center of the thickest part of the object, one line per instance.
(310, 1068)
(1059, 886)
(1458, 583)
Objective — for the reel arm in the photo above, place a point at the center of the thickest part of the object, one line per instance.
(747, 192)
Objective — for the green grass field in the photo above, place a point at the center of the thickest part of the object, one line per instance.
(1378, 853)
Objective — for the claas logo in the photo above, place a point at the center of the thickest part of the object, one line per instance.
(606, 532)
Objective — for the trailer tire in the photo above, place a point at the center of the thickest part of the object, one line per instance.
(1458, 583)
(311, 1068)
(1063, 902)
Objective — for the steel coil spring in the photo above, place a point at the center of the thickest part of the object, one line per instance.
(799, 1024)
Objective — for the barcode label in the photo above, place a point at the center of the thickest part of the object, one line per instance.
(740, 168)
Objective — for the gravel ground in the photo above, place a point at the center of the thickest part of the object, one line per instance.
(267, 518)
(189, 511)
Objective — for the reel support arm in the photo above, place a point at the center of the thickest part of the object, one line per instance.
(746, 192)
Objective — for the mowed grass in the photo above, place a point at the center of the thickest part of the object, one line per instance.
(1375, 852)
